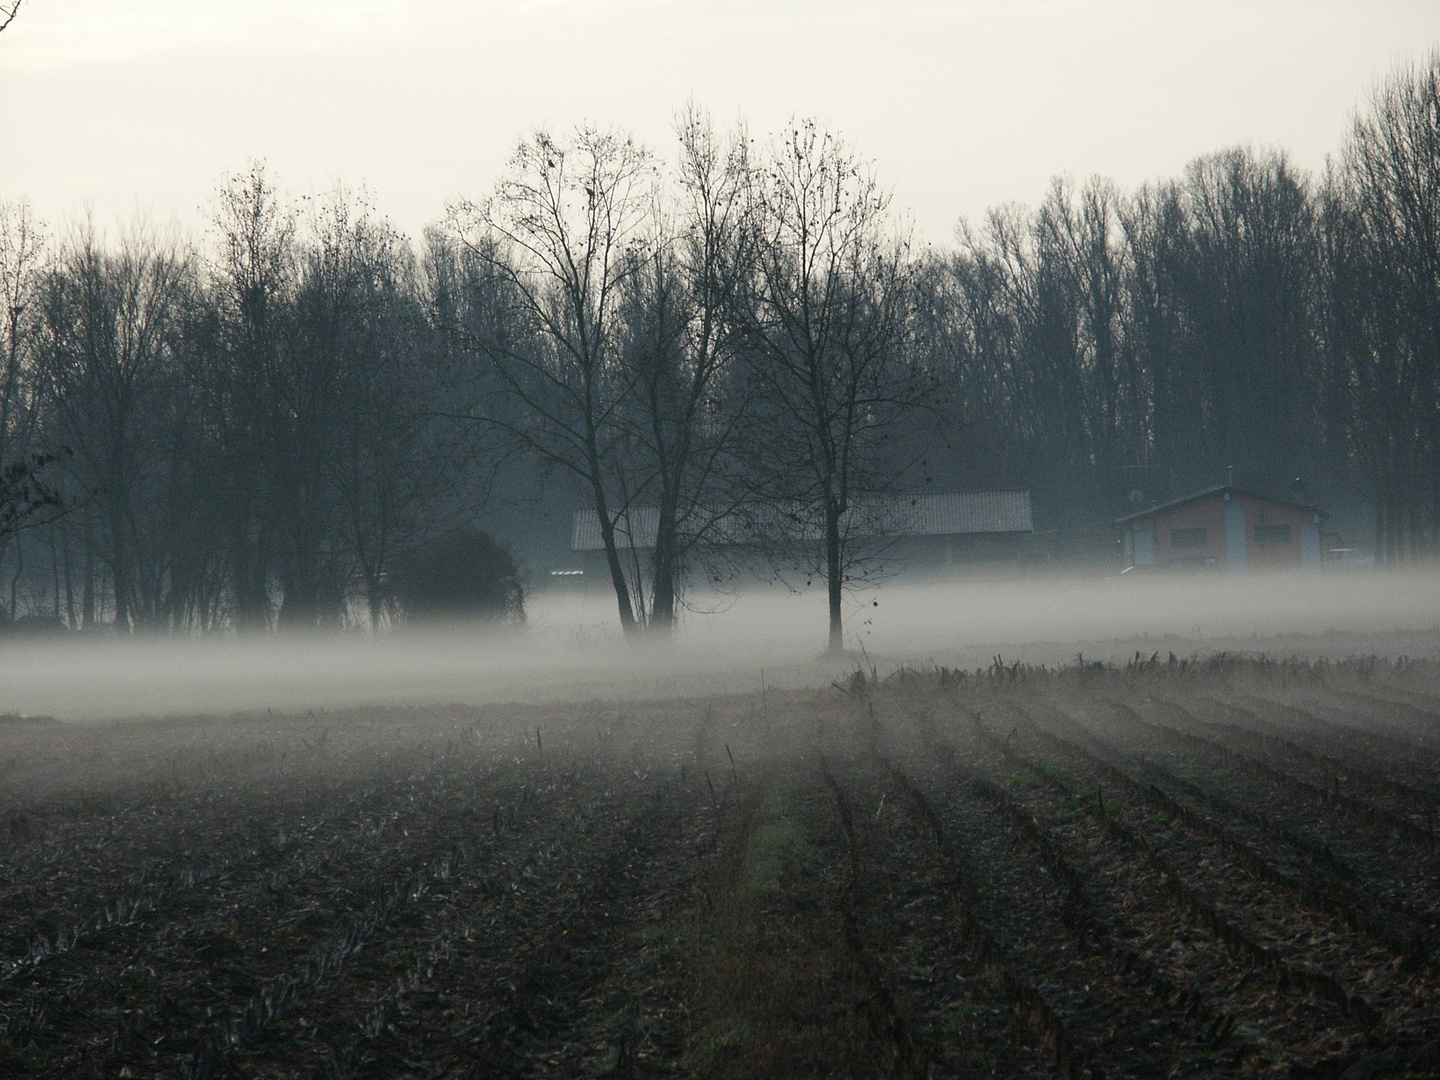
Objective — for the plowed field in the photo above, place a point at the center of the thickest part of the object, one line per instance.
(1207, 869)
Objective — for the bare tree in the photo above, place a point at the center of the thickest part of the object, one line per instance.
(828, 321)
(8, 11)
(1173, 330)
(389, 464)
(556, 244)
(112, 379)
(1044, 297)
(251, 290)
(313, 387)
(1383, 248)
(23, 496)
(331, 388)
(1156, 222)
(679, 346)
(1248, 289)
(975, 333)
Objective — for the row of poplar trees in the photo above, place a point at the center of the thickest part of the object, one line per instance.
(249, 431)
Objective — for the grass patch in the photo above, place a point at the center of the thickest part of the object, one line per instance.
(773, 990)
(1052, 771)
(770, 845)
(1089, 799)
(1034, 772)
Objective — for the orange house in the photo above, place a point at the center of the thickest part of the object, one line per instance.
(1225, 527)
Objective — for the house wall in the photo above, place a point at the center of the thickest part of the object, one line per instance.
(1207, 514)
(1269, 553)
(1225, 522)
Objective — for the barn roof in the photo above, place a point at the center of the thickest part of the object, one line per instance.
(1222, 489)
(955, 513)
(635, 527)
(959, 512)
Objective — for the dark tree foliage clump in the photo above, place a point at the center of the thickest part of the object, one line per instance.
(463, 576)
(25, 499)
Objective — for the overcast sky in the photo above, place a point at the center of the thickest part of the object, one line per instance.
(145, 104)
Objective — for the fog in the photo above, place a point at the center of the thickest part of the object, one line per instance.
(571, 649)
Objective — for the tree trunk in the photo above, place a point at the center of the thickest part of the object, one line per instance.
(15, 580)
(68, 549)
(251, 563)
(628, 626)
(833, 580)
(662, 589)
(120, 582)
(87, 599)
(373, 599)
(299, 604)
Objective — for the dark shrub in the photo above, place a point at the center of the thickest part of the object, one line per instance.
(36, 626)
(464, 576)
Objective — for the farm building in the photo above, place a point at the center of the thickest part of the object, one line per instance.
(1225, 527)
(931, 531)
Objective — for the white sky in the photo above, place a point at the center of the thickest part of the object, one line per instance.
(126, 105)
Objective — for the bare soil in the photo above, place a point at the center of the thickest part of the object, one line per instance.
(1183, 869)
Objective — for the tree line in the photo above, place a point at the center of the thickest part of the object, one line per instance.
(258, 429)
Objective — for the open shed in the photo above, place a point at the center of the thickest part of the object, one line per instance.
(920, 531)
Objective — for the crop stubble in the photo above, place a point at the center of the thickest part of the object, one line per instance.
(1161, 870)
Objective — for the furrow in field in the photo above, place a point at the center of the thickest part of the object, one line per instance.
(1118, 1004)
(502, 966)
(1241, 729)
(1235, 942)
(1367, 839)
(1315, 881)
(244, 939)
(1372, 749)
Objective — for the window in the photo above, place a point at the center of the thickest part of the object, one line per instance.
(1187, 538)
(1271, 534)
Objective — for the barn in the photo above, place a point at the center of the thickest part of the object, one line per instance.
(929, 531)
(1224, 527)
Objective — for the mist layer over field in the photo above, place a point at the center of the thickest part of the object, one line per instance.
(571, 648)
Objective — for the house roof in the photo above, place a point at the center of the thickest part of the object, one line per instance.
(955, 513)
(1222, 489)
